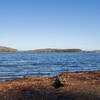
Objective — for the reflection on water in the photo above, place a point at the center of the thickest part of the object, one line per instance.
(18, 65)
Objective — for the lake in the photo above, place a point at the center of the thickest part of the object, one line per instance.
(18, 65)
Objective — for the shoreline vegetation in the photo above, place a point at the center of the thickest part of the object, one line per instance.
(80, 85)
(7, 49)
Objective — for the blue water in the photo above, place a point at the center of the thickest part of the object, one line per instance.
(18, 65)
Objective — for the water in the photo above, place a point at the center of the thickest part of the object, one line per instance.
(18, 65)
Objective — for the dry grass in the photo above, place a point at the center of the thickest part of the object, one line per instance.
(77, 86)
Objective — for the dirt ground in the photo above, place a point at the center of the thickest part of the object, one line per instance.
(81, 85)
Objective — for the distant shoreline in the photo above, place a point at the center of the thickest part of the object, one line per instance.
(7, 49)
(55, 50)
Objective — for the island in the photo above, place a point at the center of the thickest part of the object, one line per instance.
(96, 51)
(55, 50)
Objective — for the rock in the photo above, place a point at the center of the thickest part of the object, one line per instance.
(57, 83)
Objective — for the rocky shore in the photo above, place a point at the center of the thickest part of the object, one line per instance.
(81, 85)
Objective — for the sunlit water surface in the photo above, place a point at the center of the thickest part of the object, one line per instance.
(18, 65)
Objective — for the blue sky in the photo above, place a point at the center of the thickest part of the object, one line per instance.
(34, 24)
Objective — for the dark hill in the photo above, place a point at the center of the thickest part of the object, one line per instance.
(56, 50)
(6, 49)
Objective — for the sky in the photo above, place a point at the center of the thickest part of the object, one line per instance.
(37, 24)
